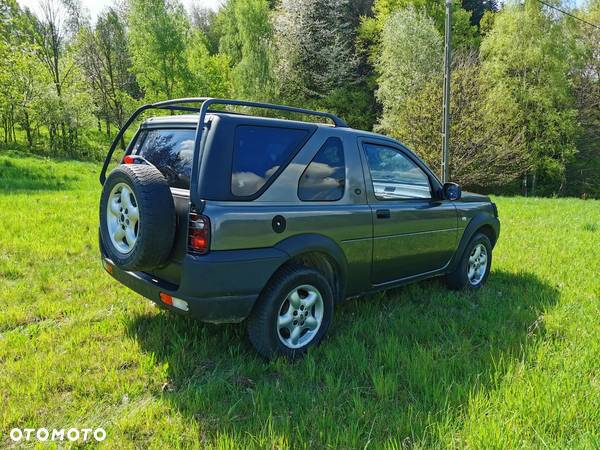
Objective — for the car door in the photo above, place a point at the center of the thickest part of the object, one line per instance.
(414, 230)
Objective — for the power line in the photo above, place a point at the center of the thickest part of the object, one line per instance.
(569, 14)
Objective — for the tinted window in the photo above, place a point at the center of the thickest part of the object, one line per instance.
(258, 153)
(325, 177)
(394, 175)
(171, 151)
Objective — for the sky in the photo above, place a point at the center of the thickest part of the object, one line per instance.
(95, 7)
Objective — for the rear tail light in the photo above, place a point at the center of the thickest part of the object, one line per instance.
(166, 298)
(198, 234)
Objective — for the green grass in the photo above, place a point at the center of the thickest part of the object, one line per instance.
(514, 365)
(92, 144)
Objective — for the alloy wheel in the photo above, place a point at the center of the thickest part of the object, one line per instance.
(122, 218)
(300, 316)
(478, 261)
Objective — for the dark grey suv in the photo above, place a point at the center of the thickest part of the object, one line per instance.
(225, 217)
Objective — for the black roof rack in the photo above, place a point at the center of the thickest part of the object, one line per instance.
(180, 104)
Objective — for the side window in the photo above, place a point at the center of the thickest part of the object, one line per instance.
(324, 178)
(394, 175)
(258, 153)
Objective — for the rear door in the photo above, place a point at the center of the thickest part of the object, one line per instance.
(414, 232)
(171, 150)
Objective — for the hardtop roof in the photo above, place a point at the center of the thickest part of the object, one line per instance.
(192, 121)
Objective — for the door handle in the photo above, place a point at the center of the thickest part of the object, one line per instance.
(383, 213)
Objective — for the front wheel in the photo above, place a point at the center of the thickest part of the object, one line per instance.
(475, 264)
(292, 314)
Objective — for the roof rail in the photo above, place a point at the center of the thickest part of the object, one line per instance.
(180, 104)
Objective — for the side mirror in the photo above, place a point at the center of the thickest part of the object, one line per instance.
(452, 191)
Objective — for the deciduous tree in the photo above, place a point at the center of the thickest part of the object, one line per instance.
(315, 52)
(525, 66)
(583, 172)
(246, 38)
(157, 35)
(411, 55)
(103, 53)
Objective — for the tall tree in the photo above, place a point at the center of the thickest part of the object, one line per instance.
(65, 107)
(158, 33)
(315, 53)
(28, 84)
(485, 152)
(411, 55)
(50, 34)
(246, 36)
(9, 49)
(210, 75)
(104, 56)
(204, 20)
(371, 28)
(582, 173)
(528, 85)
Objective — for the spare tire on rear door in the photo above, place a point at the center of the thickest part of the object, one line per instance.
(137, 217)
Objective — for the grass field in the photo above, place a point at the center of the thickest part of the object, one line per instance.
(514, 365)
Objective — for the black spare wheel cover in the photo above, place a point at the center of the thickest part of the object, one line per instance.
(137, 217)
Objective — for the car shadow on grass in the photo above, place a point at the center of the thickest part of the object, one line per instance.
(397, 364)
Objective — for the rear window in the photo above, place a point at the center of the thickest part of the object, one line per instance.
(171, 151)
(258, 154)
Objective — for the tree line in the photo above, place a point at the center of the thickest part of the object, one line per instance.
(525, 102)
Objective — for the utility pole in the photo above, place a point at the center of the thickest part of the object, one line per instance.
(446, 120)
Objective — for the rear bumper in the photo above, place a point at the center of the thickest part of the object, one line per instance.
(220, 287)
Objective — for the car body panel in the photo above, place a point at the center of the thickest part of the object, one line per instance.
(414, 236)
(420, 238)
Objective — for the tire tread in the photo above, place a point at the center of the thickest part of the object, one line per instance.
(259, 319)
(157, 211)
(457, 279)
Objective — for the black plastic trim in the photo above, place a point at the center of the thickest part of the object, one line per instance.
(206, 282)
(311, 242)
(224, 309)
(480, 220)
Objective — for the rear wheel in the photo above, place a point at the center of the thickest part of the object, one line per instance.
(474, 266)
(292, 314)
